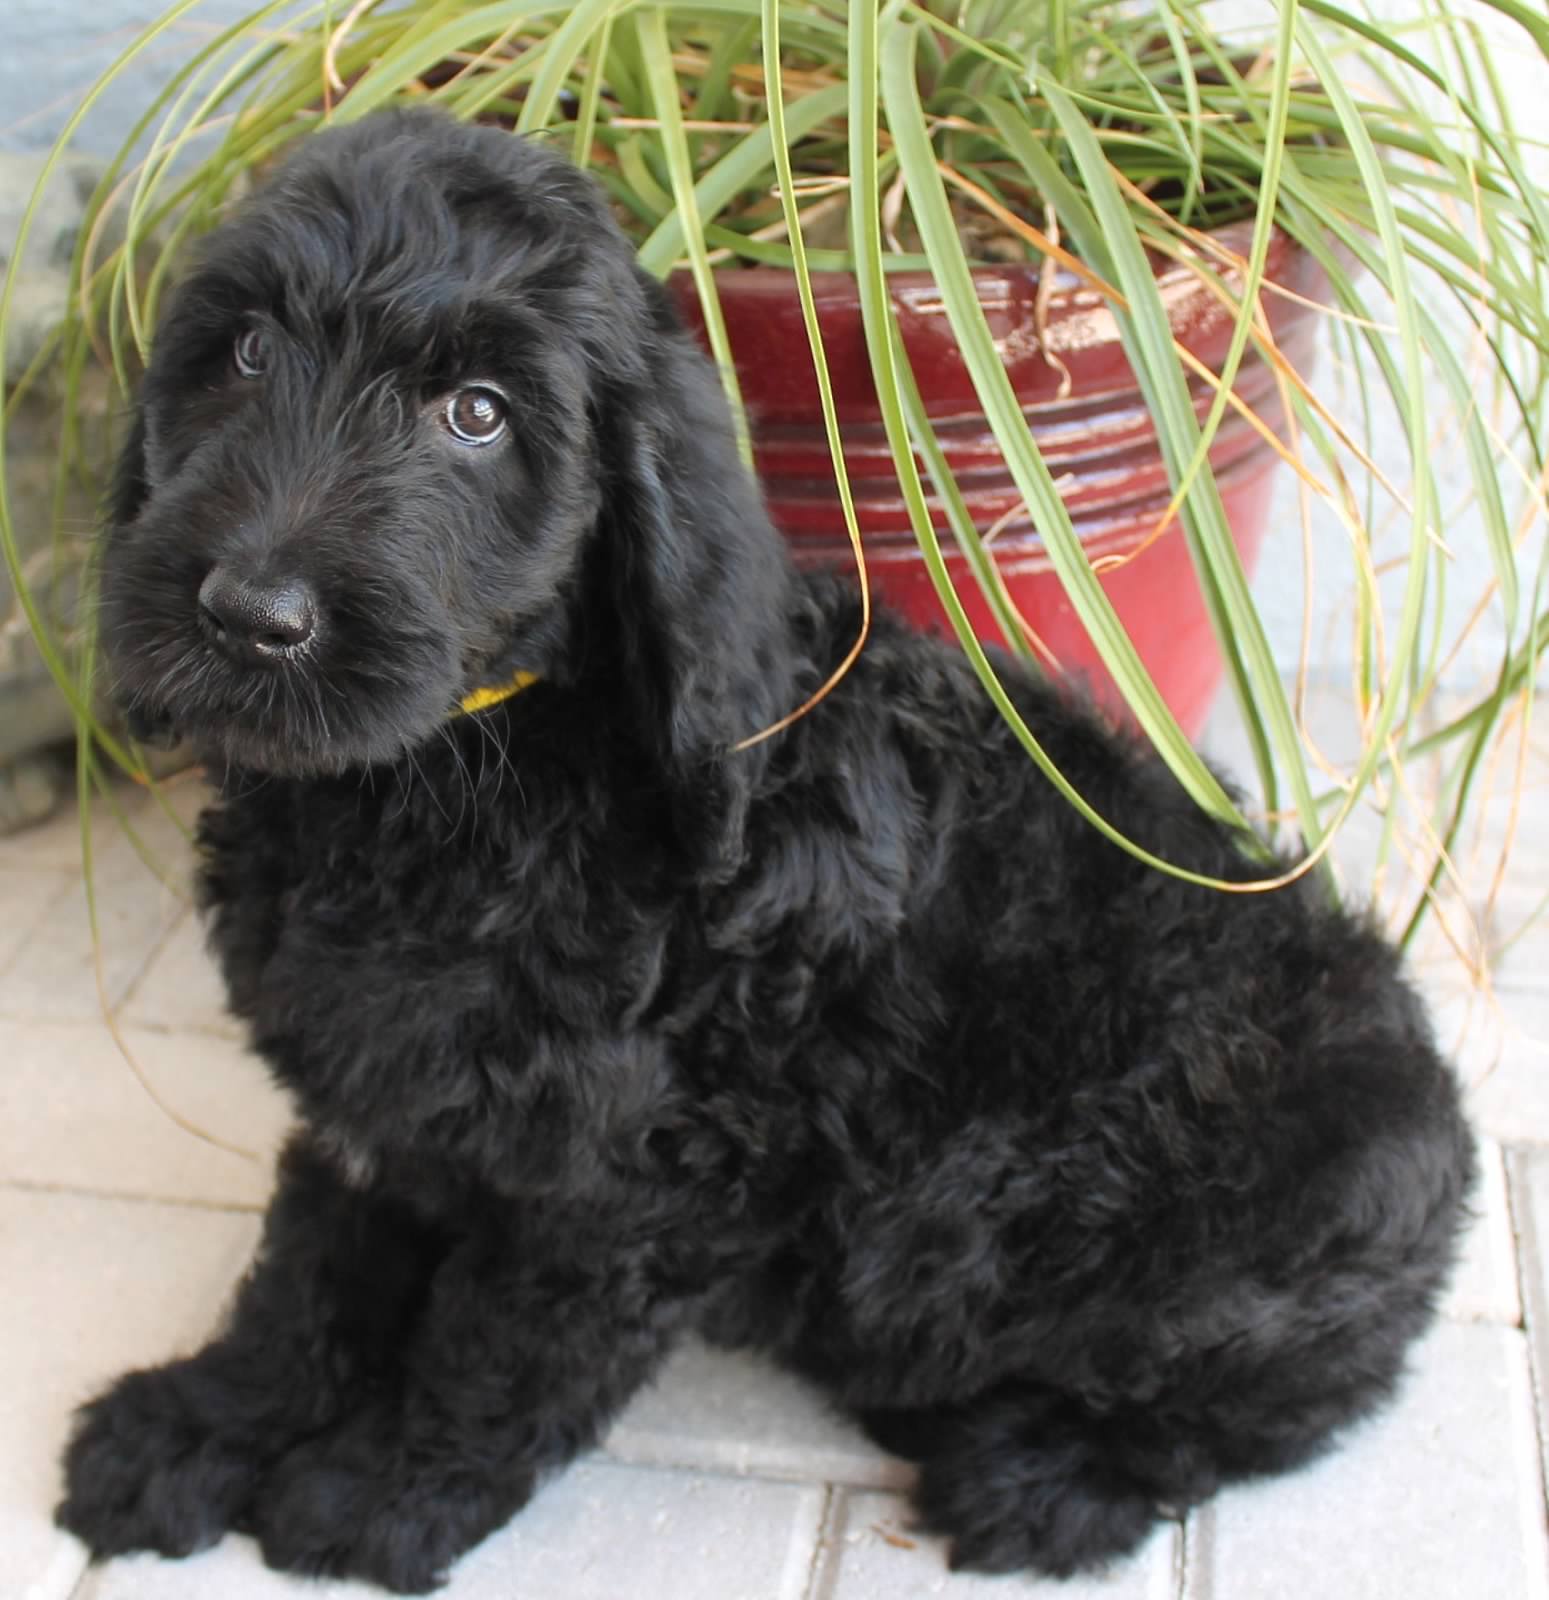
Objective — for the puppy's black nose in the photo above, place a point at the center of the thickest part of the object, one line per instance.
(242, 615)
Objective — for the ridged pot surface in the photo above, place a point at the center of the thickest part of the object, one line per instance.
(1092, 427)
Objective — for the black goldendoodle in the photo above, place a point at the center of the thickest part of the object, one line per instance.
(1086, 1189)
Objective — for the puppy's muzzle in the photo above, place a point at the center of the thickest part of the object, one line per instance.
(250, 620)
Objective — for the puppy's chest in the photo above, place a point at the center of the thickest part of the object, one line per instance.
(431, 975)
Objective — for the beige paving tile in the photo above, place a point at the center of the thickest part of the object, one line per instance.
(1437, 1499)
(74, 1115)
(57, 842)
(91, 1287)
(871, 1551)
(1484, 1287)
(27, 894)
(733, 1412)
(1501, 1045)
(182, 989)
(54, 976)
(599, 1532)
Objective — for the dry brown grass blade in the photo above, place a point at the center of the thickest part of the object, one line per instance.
(173, 1115)
(331, 78)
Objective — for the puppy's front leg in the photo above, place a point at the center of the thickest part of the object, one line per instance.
(536, 1331)
(169, 1458)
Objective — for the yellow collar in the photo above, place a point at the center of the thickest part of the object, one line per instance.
(493, 694)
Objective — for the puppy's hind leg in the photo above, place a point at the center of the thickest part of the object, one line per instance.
(170, 1458)
(1250, 1375)
(1027, 1476)
(1024, 1477)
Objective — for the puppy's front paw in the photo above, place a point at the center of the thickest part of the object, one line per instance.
(357, 1502)
(142, 1472)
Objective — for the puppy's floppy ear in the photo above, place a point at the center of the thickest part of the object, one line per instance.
(700, 580)
(128, 490)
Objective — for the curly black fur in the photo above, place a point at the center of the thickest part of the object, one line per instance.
(1087, 1189)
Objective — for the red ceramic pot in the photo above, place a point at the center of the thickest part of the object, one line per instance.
(1098, 440)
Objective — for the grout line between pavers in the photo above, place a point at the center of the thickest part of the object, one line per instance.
(1524, 1232)
(137, 979)
(1510, 1160)
(79, 1591)
(1181, 1553)
(239, 1208)
(223, 1033)
(823, 1575)
(687, 1456)
(115, 1013)
(69, 877)
(797, 1581)
(1193, 1579)
(65, 1576)
(1514, 1254)
(202, 1030)
(1527, 1442)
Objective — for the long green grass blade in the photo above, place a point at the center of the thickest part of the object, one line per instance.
(883, 345)
(563, 47)
(1411, 394)
(736, 171)
(407, 61)
(651, 29)
(938, 232)
(959, 518)
(1147, 336)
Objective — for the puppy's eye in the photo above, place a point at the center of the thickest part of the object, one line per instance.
(475, 416)
(251, 352)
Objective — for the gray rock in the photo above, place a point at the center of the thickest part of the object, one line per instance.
(40, 296)
(34, 715)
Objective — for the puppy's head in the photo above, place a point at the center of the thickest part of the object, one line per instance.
(412, 423)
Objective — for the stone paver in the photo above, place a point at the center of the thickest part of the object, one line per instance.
(74, 1115)
(182, 991)
(601, 1532)
(27, 894)
(54, 975)
(872, 1551)
(57, 842)
(736, 1413)
(230, 1571)
(91, 1286)
(1437, 1498)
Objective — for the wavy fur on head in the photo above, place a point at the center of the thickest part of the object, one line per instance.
(1088, 1190)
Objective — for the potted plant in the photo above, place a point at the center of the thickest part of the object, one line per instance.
(1021, 295)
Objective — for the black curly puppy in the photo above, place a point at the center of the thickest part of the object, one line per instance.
(1087, 1189)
